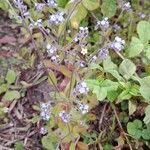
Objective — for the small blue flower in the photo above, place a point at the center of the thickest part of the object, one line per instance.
(103, 53)
(116, 27)
(23, 8)
(45, 111)
(64, 116)
(39, 6)
(126, 6)
(81, 88)
(84, 108)
(55, 58)
(103, 24)
(52, 3)
(83, 33)
(56, 19)
(142, 15)
(51, 50)
(117, 44)
(43, 130)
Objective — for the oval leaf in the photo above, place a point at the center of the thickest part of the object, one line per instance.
(147, 115)
(10, 77)
(91, 4)
(3, 88)
(46, 142)
(11, 95)
(109, 8)
(135, 48)
(127, 68)
(145, 88)
(77, 16)
(143, 30)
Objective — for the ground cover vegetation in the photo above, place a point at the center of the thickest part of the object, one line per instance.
(74, 75)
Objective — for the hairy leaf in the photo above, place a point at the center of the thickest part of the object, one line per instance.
(135, 128)
(109, 8)
(77, 16)
(127, 68)
(91, 4)
(111, 68)
(10, 77)
(145, 88)
(135, 48)
(143, 30)
(147, 115)
(101, 88)
(11, 95)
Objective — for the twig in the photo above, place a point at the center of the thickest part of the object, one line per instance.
(120, 15)
(119, 123)
(38, 54)
(22, 138)
(69, 15)
(5, 148)
(71, 80)
(77, 140)
(102, 116)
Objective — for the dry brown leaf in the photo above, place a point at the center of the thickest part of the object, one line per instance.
(61, 68)
(82, 146)
(63, 84)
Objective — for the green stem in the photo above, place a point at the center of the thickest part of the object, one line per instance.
(11, 7)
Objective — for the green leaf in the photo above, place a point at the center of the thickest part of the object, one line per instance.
(147, 51)
(4, 5)
(94, 37)
(52, 78)
(62, 3)
(132, 107)
(35, 119)
(135, 129)
(100, 92)
(2, 112)
(124, 95)
(72, 146)
(134, 90)
(46, 142)
(11, 95)
(92, 83)
(128, 92)
(108, 147)
(19, 145)
(112, 95)
(145, 88)
(110, 85)
(143, 30)
(91, 4)
(28, 2)
(111, 68)
(10, 77)
(127, 68)
(146, 134)
(35, 14)
(109, 8)
(147, 115)
(135, 48)
(61, 29)
(101, 88)
(95, 66)
(3, 88)
(77, 16)
(124, 106)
